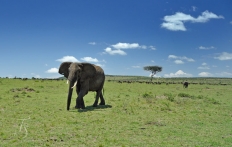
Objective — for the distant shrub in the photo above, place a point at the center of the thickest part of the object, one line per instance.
(18, 89)
(147, 95)
(186, 95)
(16, 96)
(200, 96)
(169, 96)
(212, 101)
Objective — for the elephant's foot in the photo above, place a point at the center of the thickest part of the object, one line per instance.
(94, 105)
(77, 107)
(83, 106)
(102, 102)
(80, 106)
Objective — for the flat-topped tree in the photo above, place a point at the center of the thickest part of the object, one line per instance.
(153, 70)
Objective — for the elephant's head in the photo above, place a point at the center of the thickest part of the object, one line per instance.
(75, 72)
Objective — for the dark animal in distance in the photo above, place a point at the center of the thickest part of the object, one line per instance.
(185, 84)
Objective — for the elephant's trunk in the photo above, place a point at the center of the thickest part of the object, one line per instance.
(72, 84)
(69, 96)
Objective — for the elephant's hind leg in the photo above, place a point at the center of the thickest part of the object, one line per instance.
(102, 99)
(96, 99)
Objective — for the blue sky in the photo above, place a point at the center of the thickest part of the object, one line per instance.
(187, 38)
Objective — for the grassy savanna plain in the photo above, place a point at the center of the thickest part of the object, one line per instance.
(33, 113)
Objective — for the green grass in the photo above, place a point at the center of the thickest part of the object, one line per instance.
(33, 113)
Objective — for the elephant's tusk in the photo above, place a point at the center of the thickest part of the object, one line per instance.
(67, 81)
(74, 84)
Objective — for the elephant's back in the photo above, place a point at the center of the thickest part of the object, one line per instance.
(97, 82)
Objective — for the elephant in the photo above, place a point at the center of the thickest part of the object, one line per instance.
(85, 77)
(185, 84)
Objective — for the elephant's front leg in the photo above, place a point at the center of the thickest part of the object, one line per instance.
(82, 91)
(79, 101)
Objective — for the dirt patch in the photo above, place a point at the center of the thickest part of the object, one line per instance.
(26, 89)
(161, 97)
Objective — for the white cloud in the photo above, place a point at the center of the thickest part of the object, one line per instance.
(126, 45)
(224, 74)
(179, 62)
(224, 56)
(179, 59)
(119, 47)
(152, 47)
(89, 59)
(206, 16)
(114, 52)
(143, 46)
(68, 59)
(205, 74)
(52, 70)
(230, 22)
(203, 67)
(136, 66)
(188, 59)
(179, 73)
(172, 57)
(176, 22)
(204, 64)
(154, 76)
(206, 48)
(92, 43)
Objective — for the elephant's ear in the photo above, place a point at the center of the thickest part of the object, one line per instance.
(88, 70)
(64, 68)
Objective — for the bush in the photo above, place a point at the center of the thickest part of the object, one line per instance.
(200, 96)
(169, 96)
(147, 95)
(186, 95)
(212, 100)
(183, 95)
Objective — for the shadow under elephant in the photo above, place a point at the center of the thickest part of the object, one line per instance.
(90, 108)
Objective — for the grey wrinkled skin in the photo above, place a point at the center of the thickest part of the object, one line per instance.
(88, 77)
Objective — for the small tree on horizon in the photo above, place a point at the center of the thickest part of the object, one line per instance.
(153, 70)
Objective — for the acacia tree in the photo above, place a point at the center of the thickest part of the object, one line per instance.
(153, 70)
